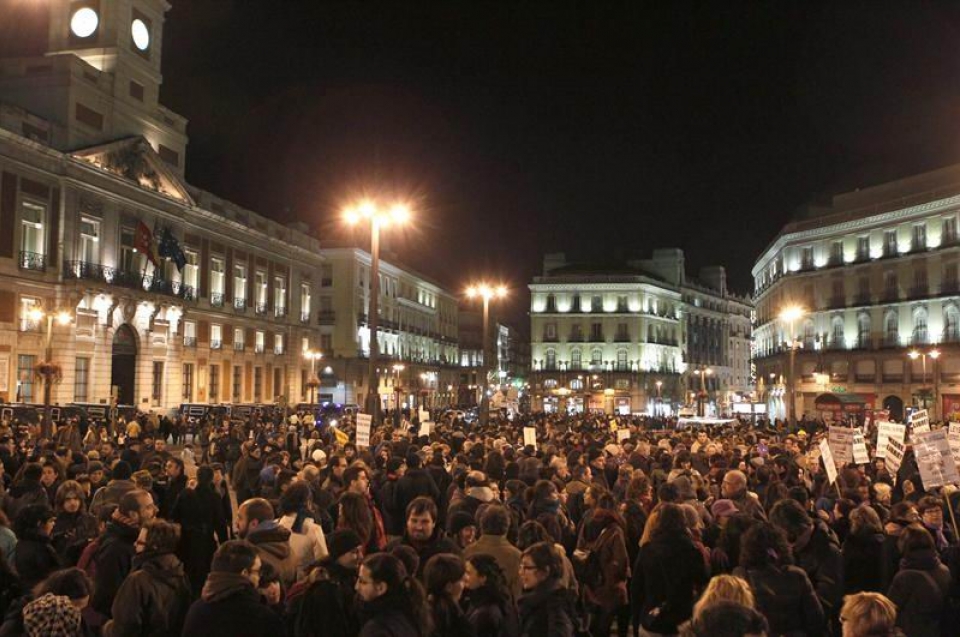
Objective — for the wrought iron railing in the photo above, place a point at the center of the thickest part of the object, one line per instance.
(216, 299)
(33, 261)
(261, 309)
(128, 279)
(189, 341)
(240, 305)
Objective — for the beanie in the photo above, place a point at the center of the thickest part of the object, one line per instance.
(342, 542)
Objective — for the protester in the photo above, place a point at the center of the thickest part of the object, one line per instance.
(547, 609)
(35, 557)
(393, 603)
(869, 615)
(490, 608)
(920, 588)
(422, 533)
(443, 581)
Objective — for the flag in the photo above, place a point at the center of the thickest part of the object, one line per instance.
(170, 248)
(143, 242)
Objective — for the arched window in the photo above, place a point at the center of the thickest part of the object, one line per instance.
(891, 328)
(576, 359)
(863, 331)
(551, 359)
(836, 332)
(920, 326)
(621, 360)
(808, 334)
(951, 324)
(576, 384)
(596, 356)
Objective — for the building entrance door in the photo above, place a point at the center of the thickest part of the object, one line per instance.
(123, 372)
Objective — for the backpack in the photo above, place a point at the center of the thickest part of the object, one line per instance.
(587, 566)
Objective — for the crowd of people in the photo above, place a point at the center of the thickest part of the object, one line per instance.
(622, 526)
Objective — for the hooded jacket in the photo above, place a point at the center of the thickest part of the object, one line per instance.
(273, 545)
(229, 606)
(152, 601)
(113, 559)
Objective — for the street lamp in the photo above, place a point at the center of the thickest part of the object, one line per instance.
(659, 385)
(486, 292)
(790, 315)
(397, 368)
(48, 370)
(914, 355)
(313, 383)
(378, 216)
(702, 404)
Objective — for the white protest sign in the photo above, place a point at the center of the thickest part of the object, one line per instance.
(919, 423)
(529, 436)
(953, 435)
(894, 456)
(860, 455)
(364, 421)
(828, 462)
(426, 428)
(840, 440)
(623, 434)
(887, 430)
(423, 415)
(935, 460)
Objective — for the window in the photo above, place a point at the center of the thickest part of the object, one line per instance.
(189, 333)
(863, 290)
(621, 360)
(25, 375)
(951, 324)
(576, 384)
(596, 357)
(920, 278)
(278, 344)
(89, 240)
(891, 329)
(551, 360)
(949, 278)
(81, 379)
(949, 230)
(836, 332)
(258, 345)
(550, 332)
(217, 281)
(130, 260)
(920, 326)
(806, 257)
(326, 305)
(216, 336)
(596, 332)
(863, 248)
(550, 383)
(889, 243)
(157, 386)
(326, 343)
(257, 384)
(622, 383)
(188, 382)
(836, 253)
(32, 235)
(237, 384)
(240, 285)
(551, 303)
(622, 304)
(213, 386)
(576, 332)
(919, 237)
(890, 288)
(278, 382)
(279, 296)
(238, 339)
(596, 304)
(576, 359)
(305, 301)
(27, 305)
(863, 330)
(191, 273)
(326, 276)
(260, 290)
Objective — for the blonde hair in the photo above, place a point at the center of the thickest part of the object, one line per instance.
(868, 615)
(725, 588)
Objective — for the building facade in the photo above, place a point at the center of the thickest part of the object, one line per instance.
(633, 338)
(875, 274)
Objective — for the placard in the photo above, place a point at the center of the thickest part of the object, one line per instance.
(919, 423)
(894, 456)
(860, 455)
(826, 454)
(936, 463)
(840, 440)
(953, 435)
(426, 428)
(364, 422)
(529, 436)
(5, 373)
(623, 434)
(887, 430)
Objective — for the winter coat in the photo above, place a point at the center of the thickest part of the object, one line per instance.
(273, 544)
(24, 494)
(414, 483)
(667, 578)
(491, 617)
(448, 619)
(393, 517)
(823, 563)
(919, 591)
(35, 559)
(506, 554)
(202, 519)
(610, 548)
(113, 560)
(169, 495)
(437, 544)
(387, 616)
(71, 533)
(326, 606)
(863, 563)
(547, 611)
(308, 545)
(786, 598)
(152, 601)
(230, 606)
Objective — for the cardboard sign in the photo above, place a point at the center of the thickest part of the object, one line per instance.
(919, 423)
(840, 440)
(623, 434)
(887, 430)
(826, 454)
(935, 460)
(426, 428)
(860, 455)
(953, 435)
(364, 422)
(894, 456)
(423, 415)
(529, 436)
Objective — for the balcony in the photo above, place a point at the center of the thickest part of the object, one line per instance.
(865, 378)
(279, 312)
(891, 340)
(551, 338)
(216, 344)
(85, 270)
(621, 338)
(240, 305)
(278, 351)
(950, 287)
(890, 296)
(33, 261)
(836, 303)
(216, 299)
(261, 309)
(258, 349)
(575, 338)
(861, 299)
(326, 318)
(238, 347)
(304, 317)
(189, 341)
(918, 292)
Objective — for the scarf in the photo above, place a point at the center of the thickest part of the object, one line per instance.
(220, 586)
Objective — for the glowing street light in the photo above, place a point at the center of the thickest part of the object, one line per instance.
(314, 382)
(790, 315)
(48, 369)
(486, 292)
(934, 354)
(378, 216)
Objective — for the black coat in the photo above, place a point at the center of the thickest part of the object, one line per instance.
(667, 577)
(437, 544)
(449, 620)
(35, 559)
(327, 607)
(152, 601)
(822, 561)
(786, 598)
(113, 560)
(241, 613)
(491, 618)
(388, 616)
(200, 513)
(863, 563)
(547, 611)
(71, 532)
(414, 483)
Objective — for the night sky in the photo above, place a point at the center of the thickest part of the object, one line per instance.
(597, 128)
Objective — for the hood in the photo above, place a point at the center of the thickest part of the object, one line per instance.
(272, 539)
(220, 586)
(163, 567)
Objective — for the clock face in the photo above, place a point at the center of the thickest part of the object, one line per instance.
(84, 22)
(140, 33)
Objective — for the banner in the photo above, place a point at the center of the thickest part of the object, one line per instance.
(919, 423)
(887, 430)
(860, 455)
(529, 436)
(894, 456)
(623, 434)
(828, 462)
(936, 463)
(426, 428)
(364, 422)
(953, 435)
(840, 440)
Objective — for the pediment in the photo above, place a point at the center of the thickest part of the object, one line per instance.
(135, 160)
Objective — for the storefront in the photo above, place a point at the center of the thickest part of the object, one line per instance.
(841, 407)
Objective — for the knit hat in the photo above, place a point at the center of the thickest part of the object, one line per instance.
(724, 508)
(342, 542)
(51, 616)
(459, 521)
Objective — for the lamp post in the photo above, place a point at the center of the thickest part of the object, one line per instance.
(397, 368)
(933, 354)
(314, 382)
(702, 402)
(486, 292)
(659, 409)
(378, 217)
(48, 370)
(790, 315)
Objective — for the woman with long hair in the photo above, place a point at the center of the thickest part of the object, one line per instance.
(393, 604)
(490, 607)
(546, 508)
(443, 578)
(546, 607)
(863, 552)
(74, 527)
(783, 592)
(920, 588)
(354, 514)
(35, 556)
(603, 561)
